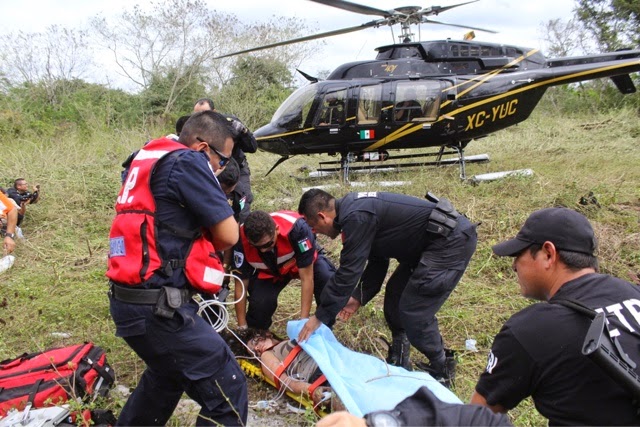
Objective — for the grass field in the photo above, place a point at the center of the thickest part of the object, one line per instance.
(57, 284)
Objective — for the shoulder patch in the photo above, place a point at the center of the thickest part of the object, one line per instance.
(117, 247)
(238, 258)
(491, 362)
(364, 194)
(304, 245)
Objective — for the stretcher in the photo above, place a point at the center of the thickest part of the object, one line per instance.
(254, 371)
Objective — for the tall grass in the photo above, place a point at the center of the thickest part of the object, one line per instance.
(57, 283)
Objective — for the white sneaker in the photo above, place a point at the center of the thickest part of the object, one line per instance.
(6, 263)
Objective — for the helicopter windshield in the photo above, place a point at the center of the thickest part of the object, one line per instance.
(293, 113)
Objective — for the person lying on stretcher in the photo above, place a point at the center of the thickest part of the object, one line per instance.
(287, 365)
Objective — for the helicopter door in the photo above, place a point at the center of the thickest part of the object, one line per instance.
(417, 101)
(332, 111)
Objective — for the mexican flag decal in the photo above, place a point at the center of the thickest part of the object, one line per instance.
(367, 134)
(304, 245)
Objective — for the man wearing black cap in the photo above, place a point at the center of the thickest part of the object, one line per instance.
(538, 351)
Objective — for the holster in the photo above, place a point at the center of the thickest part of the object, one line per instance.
(169, 300)
(444, 218)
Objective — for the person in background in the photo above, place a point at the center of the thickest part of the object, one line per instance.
(9, 215)
(245, 142)
(22, 196)
(228, 179)
(538, 352)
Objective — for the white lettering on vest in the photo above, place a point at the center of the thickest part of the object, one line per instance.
(128, 185)
(616, 309)
(633, 305)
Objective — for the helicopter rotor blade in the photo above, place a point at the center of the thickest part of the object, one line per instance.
(435, 10)
(468, 27)
(364, 26)
(355, 7)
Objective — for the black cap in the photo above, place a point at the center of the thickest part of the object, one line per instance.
(567, 229)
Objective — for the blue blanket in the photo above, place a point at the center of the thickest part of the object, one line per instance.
(363, 382)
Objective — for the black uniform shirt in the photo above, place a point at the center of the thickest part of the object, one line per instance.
(375, 227)
(243, 143)
(304, 246)
(538, 353)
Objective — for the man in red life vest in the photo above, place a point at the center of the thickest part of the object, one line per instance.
(273, 249)
(171, 217)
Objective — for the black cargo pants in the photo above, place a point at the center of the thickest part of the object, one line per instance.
(415, 293)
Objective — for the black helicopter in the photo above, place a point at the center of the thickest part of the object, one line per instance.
(441, 94)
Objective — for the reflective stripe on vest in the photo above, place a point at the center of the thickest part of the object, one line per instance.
(133, 252)
(285, 221)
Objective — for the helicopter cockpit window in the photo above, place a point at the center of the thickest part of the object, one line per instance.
(333, 109)
(417, 101)
(369, 105)
(407, 52)
(293, 113)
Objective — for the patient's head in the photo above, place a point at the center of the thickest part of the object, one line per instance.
(262, 341)
(254, 341)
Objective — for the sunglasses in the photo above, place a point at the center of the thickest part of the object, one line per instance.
(224, 160)
(267, 245)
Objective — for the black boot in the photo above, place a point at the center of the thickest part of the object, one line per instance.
(444, 374)
(399, 352)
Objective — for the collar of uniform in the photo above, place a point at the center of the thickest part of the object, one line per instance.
(336, 220)
(571, 285)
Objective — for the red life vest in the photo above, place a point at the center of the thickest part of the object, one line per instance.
(133, 251)
(285, 259)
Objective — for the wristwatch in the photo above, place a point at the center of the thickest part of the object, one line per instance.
(12, 235)
(383, 419)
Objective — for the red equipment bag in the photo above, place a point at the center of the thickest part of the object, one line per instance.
(53, 376)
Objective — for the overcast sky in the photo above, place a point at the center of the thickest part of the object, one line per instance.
(518, 22)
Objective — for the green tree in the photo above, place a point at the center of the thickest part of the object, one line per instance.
(80, 106)
(257, 89)
(613, 24)
(175, 46)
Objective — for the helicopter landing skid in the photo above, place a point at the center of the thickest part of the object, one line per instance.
(388, 165)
